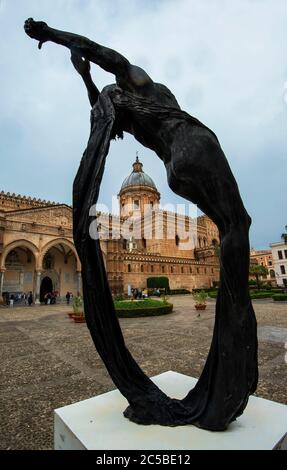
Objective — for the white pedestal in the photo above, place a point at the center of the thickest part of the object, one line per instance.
(98, 424)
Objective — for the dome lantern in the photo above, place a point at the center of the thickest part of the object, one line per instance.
(137, 166)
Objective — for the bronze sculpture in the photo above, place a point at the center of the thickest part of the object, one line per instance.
(197, 170)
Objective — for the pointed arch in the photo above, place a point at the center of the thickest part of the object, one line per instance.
(19, 244)
(54, 243)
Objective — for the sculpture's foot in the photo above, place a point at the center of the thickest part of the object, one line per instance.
(162, 414)
(169, 412)
(165, 418)
(131, 414)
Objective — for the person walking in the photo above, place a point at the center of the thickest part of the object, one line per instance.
(30, 299)
(12, 298)
(68, 297)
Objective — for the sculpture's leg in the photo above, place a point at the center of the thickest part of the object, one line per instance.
(106, 58)
(203, 176)
(128, 76)
(234, 257)
(230, 372)
(238, 343)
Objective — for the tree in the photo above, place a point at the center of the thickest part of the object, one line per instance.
(258, 270)
(284, 235)
(160, 282)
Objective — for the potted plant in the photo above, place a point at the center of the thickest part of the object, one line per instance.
(200, 300)
(78, 307)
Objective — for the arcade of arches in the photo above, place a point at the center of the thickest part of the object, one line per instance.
(37, 252)
(36, 248)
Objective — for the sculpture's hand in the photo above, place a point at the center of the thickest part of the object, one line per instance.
(81, 65)
(37, 30)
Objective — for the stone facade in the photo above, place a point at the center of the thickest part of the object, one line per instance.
(161, 243)
(279, 253)
(36, 247)
(264, 258)
(37, 251)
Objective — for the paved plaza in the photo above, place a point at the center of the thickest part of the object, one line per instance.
(48, 361)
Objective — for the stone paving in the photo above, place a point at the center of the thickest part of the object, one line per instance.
(48, 361)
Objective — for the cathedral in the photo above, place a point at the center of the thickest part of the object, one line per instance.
(37, 252)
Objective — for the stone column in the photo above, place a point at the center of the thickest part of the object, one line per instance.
(21, 281)
(79, 283)
(2, 271)
(38, 285)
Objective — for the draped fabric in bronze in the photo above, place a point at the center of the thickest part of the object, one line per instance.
(230, 372)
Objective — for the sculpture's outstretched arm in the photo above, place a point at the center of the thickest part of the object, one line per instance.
(83, 68)
(128, 76)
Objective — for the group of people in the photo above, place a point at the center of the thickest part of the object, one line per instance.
(139, 293)
(11, 299)
(50, 298)
(156, 292)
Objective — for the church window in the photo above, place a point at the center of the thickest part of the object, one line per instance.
(182, 270)
(151, 269)
(190, 270)
(12, 258)
(144, 242)
(283, 270)
(177, 240)
(136, 204)
(48, 261)
(142, 268)
(171, 269)
(163, 269)
(129, 268)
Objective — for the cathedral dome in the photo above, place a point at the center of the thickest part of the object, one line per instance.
(138, 177)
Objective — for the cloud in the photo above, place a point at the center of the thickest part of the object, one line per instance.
(225, 62)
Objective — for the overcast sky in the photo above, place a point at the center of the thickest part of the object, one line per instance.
(224, 60)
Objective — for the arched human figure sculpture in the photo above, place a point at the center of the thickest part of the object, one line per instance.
(197, 170)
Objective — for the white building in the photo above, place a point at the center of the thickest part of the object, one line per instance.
(279, 254)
